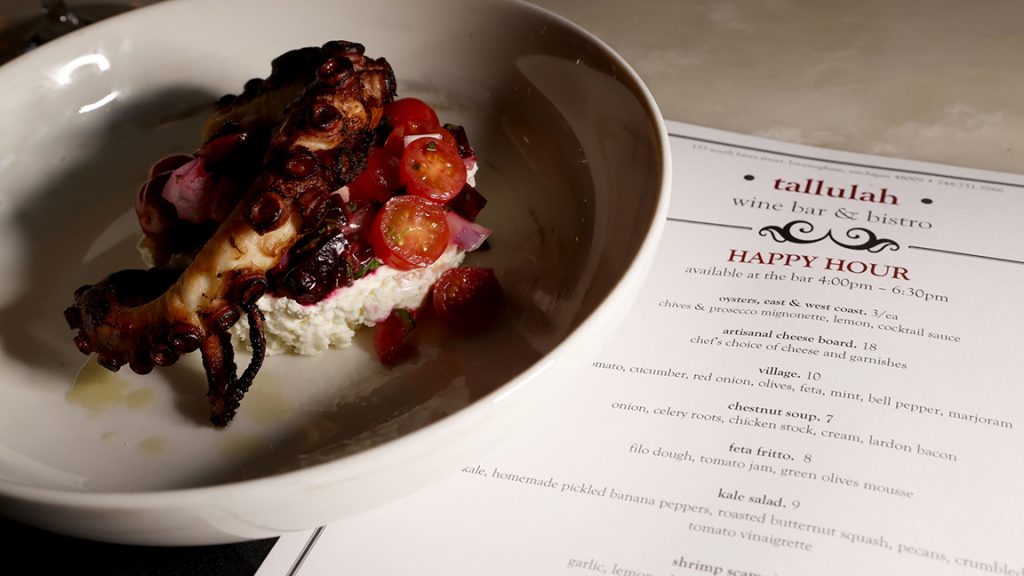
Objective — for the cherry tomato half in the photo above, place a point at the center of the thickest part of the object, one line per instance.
(392, 338)
(432, 169)
(409, 116)
(409, 232)
(379, 180)
(406, 111)
(467, 299)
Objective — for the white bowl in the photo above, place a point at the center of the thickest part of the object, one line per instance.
(574, 162)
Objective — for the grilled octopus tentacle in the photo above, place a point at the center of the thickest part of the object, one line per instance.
(147, 318)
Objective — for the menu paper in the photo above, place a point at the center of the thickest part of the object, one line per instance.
(822, 375)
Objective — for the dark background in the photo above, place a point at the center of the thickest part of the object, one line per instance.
(43, 553)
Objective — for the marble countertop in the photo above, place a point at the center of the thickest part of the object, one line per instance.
(934, 80)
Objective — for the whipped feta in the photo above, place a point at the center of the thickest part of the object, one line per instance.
(293, 328)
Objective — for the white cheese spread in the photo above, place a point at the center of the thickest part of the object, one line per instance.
(293, 328)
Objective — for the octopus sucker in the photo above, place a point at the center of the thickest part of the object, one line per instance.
(319, 109)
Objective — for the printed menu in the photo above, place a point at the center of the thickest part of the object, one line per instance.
(822, 375)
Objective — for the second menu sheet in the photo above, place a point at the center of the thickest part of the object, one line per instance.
(822, 373)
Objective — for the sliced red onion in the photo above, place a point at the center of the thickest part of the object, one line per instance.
(470, 163)
(169, 164)
(343, 192)
(155, 214)
(190, 189)
(465, 234)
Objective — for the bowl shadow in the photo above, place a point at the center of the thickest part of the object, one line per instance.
(77, 224)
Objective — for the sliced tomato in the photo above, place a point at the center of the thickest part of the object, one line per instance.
(392, 338)
(467, 299)
(432, 169)
(409, 232)
(409, 116)
(379, 180)
(405, 111)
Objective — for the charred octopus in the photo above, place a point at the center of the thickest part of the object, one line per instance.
(288, 142)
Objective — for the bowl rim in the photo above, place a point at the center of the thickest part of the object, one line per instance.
(353, 465)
